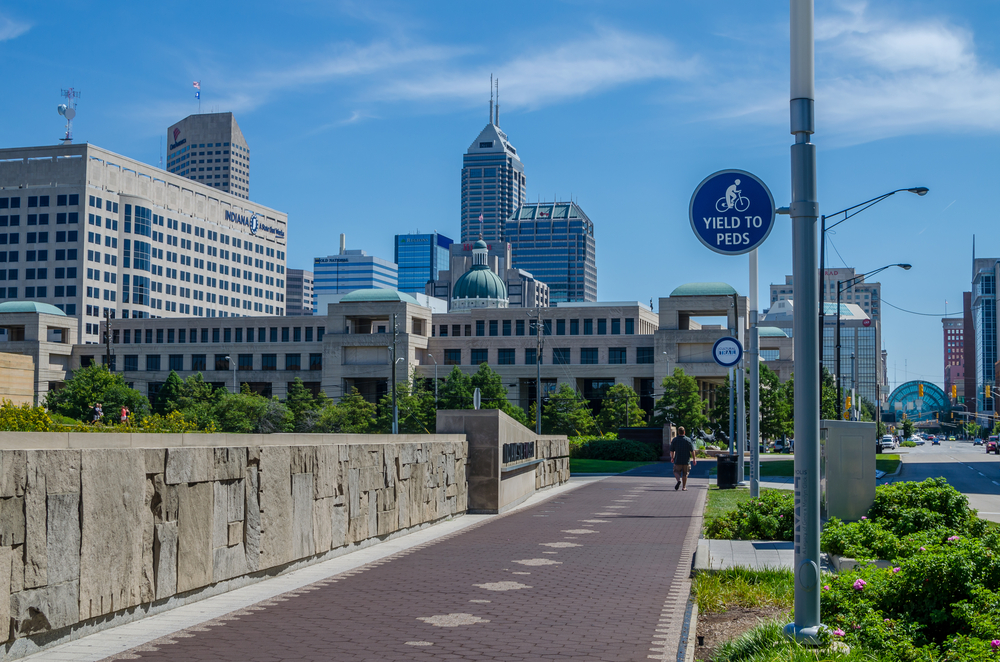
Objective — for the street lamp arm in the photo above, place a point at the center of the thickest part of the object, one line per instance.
(856, 279)
(919, 190)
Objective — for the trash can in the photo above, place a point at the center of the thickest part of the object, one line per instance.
(725, 477)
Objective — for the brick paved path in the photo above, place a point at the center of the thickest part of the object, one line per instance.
(597, 573)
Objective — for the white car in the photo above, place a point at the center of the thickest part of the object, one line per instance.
(887, 442)
(917, 440)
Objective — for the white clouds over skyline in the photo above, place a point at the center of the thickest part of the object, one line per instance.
(11, 29)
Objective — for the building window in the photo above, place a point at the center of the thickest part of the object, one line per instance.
(480, 356)
(198, 362)
(444, 331)
(152, 362)
(602, 327)
(519, 328)
(456, 330)
(221, 363)
(316, 361)
(588, 356)
(494, 328)
(588, 327)
(643, 354)
(617, 355)
(269, 362)
(574, 327)
(480, 328)
(453, 357)
(629, 326)
(560, 356)
(131, 362)
(560, 327)
(293, 361)
(245, 362)
(530, 357)
(284, 334)
(616, 327)
(505, 357)
(506, 327)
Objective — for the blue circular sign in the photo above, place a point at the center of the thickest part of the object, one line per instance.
(727, 351)
(732, 212)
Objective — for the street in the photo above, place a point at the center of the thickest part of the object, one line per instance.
(968, 468)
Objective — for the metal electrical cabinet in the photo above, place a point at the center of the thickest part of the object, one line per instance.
(847, 469)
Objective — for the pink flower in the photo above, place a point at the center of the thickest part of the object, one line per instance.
(840, 633)
(826, 587)
(952, 538)
(923, 549)
(896, 569)
(995, 644)
(860, 584)
(863, 517)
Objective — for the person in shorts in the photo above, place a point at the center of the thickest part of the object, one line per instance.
(682, 455)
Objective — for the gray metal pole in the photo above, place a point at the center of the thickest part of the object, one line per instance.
(754, 355)
(395, 409)
(731, 403)
(804, 214)
(741, 420)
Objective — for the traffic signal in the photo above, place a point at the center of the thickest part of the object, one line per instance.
(987, 390)
(954, 391)
(920, 390)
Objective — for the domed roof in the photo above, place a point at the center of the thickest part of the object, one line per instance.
(703, 290)
(29, 307)
(770, 332)
(479, 283)
(481, 244)
(378, 295)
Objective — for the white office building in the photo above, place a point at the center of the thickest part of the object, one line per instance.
(89, 231)
(210, 149)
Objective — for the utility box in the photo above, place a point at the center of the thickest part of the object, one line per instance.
(847, 469)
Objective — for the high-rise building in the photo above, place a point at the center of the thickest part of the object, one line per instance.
(985, 273)
(88, 230)
(954, 359)
(348, 271)
(968, 354)
(523, 289)
(555, 243)
(864, 294)
(299, 296)
(492, 183)
(210, 149)
(419, 259)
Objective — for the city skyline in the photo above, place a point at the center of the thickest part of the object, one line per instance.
(624, 116)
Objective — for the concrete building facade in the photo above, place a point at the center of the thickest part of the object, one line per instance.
(555, 243)
(300, 299)
(88, 230)
(953, 341)
(867, 295)
(210, 148)
(523, 289)
(351, 270)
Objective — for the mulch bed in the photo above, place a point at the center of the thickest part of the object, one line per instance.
(730, 624)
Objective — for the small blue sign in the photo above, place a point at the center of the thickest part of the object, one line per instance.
(732, 212)
(727, 352)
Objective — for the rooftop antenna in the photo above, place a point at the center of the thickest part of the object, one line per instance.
(491, 98)
(498, 103)
(68, 110)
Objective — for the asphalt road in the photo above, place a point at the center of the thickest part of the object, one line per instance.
(968, 468)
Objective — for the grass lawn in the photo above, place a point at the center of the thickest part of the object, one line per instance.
(741, 587)
(785, 468)
(721, 502)
(581, 466)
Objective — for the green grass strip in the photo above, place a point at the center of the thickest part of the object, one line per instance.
(581, 466)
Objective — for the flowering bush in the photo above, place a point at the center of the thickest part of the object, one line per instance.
(24, 418)
(769, 517)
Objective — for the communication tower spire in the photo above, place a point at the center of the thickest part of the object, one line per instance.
(68, 110)
(491, 98)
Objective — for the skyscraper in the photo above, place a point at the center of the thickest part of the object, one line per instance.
(210, 149)
(348, 271)
(299, 297)
(555, 242)
(492, 183)
(419, 258)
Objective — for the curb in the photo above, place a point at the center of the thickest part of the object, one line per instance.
(685, 649)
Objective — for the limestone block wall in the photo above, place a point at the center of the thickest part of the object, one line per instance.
(17, 378)
(554, 469)
(87, 532)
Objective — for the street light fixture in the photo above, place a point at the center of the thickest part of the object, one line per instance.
(233, 363)
(847, 284)
(848, 213)
(435, 380)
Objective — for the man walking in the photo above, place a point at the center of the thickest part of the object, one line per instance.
(683, 456)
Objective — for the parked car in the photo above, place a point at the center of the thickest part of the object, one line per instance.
(917, 440)
(992, 446)
(887, 442)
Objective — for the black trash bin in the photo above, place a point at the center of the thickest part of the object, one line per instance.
(726, 475)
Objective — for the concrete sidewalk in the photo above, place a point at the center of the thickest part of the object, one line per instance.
(599, 572)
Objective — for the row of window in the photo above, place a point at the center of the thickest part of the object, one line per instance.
(40, 256)
(62, 218)
(261, 334)
(560, 356)
(71, 200)
(199, 362)
(506, 327)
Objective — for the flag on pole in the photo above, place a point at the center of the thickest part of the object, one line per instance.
(480, 218)
(197, 84)
(197, 95)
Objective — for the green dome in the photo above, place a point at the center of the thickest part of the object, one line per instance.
(479, 283)
(703, 290)
(481, 244)
(29, 307)
(378, 295)
(770, 332)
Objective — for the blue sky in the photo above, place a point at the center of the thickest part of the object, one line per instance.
(358, 113)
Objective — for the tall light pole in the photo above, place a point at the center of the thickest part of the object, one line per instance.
(847, 284)
(848, 213)
(435, 380)
(804, 212)
(233, 363)
(537, 322)
(395, 408)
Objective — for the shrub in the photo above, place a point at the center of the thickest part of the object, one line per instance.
(768, 517)
(896, 502)
(909, 444)
(24, 418)
(604, 448)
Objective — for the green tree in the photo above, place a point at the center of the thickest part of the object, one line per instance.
(416, 409)
(775, 417)
(94, 384)
(169, 394)
(303, 406)
(907, 426)
(620, 408)
(493, 394)
(681, 403)
(198, 402)
(247, 412)
(456, 391)
(565, 412)
(880, 429)
(353, 414)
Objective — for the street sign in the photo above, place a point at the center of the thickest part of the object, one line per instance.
(727, 352)
(866, 322)
(732, 212)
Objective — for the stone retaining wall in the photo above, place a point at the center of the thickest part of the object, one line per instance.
(88, 532)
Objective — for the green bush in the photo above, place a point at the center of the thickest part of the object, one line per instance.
(24, 418)
(607, 448)
(909, 444)
(910, 506)
(769, 517)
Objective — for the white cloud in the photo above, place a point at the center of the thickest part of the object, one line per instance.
(11, 29)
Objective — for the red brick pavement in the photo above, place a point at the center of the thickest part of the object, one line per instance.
(603, 599)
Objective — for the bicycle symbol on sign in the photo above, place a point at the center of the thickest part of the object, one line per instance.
(734, 199)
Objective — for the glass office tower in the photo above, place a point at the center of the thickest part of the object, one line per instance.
(555, 242)
(419, 258)
(492, 185)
